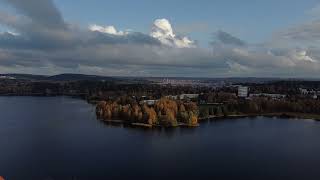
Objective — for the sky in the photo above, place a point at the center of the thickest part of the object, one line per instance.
(203, 38)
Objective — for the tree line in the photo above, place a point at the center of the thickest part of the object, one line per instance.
(165, 112)
(261, 105)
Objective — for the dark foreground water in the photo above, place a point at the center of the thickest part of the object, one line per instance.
(60, 138)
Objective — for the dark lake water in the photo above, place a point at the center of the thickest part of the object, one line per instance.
(60, 138)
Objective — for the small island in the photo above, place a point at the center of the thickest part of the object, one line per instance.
(164, 112)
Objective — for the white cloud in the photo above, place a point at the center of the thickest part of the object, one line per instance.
(163, 31)
(237, 68)
(54, 46)
(301, 55)
(10, 32)
(107, 29)
(242, 52)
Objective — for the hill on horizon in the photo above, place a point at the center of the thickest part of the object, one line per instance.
(59, 77)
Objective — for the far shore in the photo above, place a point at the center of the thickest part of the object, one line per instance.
(315, 117)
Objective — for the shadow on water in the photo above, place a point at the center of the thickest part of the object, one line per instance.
(157, 130)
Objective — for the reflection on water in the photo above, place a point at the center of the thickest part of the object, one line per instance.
(60, 138)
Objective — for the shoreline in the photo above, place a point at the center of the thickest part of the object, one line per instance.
(144, 125)
(314, 117)
(212, 118)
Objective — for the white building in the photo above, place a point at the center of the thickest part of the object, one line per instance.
(243, 91)
(172, 97)
(148, 102)
(189, 96)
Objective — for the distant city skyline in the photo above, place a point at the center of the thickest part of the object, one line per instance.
(161, 38)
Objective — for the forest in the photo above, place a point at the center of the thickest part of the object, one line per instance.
(165, 112)
(261, 106)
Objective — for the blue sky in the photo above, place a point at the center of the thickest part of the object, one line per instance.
(251, 20)
(203, 38)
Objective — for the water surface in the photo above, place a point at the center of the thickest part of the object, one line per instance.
(60, 138)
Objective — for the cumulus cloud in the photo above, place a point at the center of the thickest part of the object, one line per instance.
(107, 29)
(301, 55)
(42, 42)
(237, 68)
(162, 30)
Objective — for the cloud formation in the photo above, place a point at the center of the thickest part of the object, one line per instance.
(307, 33)
(43, 12)
(162, 30)
(107, 29)
(42, 42)
(221, 37)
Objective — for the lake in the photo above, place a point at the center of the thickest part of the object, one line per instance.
(60, 138)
